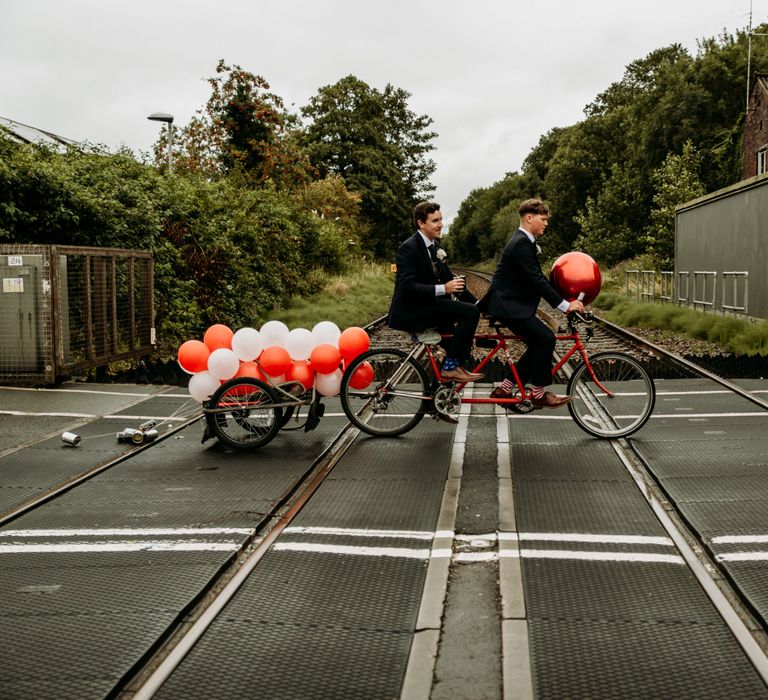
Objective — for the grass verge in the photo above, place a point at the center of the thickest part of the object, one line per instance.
(353, 299)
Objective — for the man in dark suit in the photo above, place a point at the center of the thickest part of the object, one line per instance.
(424, 294)
(517, 287)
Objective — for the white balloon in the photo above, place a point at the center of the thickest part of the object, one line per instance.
(328, 384)
(326, 332)
(247, 344)
(202, 385)
(274, 333)
(223, 363)
(300, 343)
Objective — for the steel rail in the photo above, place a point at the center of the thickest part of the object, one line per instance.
(728, 602)
(173, 657)
(682, 362)
(64, 486)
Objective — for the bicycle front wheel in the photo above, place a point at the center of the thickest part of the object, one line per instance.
(244, 413)
(614, 399)
(384, 392)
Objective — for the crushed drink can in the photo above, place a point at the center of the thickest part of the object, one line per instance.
(71, 439)
(147, 425)
(131, 435)
(150, 435)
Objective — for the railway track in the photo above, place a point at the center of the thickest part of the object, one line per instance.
(150, 672)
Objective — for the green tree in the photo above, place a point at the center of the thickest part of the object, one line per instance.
(608, 224)
(488, 218)
(244, 129)
(675, 182)
(379, 146)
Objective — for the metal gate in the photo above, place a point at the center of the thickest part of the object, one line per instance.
(64, 309)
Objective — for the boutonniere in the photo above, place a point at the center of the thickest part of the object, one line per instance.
(441, 254)
(538, 249)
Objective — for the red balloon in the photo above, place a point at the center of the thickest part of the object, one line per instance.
(301, 371)
(250, 369)
(352, 342)
(362, 376)
(193, 356)
(274, 360)
(218, 336)
(576, 276)
(325, 358)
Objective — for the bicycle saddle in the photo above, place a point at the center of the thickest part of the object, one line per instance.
(428, 337)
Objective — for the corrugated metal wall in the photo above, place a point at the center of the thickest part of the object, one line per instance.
(727, 231)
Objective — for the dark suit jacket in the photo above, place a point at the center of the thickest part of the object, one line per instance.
(518, 284)
(413, 301)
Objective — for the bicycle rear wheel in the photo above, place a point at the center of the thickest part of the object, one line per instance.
(617, 401)
(244, 413)
(384, 392)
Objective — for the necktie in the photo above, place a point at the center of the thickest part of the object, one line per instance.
(433, 256)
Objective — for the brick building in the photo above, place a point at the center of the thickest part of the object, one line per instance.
(756, 130)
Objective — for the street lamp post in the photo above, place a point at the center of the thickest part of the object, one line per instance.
(168, 119)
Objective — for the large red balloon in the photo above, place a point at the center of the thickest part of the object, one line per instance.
(362, 376)
(301, 371)
(250, 369)
(576, 276)
(218, 336)
(325, 358)
(352, 342)
(193, 356)
(275, 360)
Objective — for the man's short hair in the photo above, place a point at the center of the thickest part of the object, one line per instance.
(423, 210)
(533, 206)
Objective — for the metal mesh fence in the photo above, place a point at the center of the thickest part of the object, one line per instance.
(66, 309)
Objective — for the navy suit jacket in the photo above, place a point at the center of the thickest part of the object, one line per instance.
(414, 298)
(518, 284)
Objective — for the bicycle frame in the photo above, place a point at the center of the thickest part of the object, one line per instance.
(501, 338)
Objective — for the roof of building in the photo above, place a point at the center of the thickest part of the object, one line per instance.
(30, 134)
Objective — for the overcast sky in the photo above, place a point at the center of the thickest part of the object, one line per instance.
(494, 75)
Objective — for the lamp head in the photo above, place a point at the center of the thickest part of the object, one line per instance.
(161, 117)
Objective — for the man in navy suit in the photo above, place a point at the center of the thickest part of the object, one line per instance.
(517, 287)
(424, 294)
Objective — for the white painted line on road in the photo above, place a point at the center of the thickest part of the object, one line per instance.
(595, 538)
(138, 546)
(400, 552)
(83, 391)
(128, 532)
(360, 532)
(739, 539)
(743, 556)
(596, 556)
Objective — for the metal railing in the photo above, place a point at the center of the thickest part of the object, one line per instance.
(699, 289)
(736, 293)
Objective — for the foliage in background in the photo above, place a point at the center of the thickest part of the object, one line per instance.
(353, 299)
(224, 252)
(667, 132)
(244, 129)
(379, 147)
(674, 182)
(740, 336)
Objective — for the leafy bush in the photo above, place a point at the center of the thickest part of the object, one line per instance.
(740, 336)
(224, 252)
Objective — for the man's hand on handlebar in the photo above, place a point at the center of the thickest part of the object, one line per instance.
(454, 286)
(575, 305)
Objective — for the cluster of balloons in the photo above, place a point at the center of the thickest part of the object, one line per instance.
(274, 353)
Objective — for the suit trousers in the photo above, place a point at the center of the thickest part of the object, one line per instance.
(535, 365)
(443, 314)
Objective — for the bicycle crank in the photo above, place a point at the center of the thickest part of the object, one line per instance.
(447, 401)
